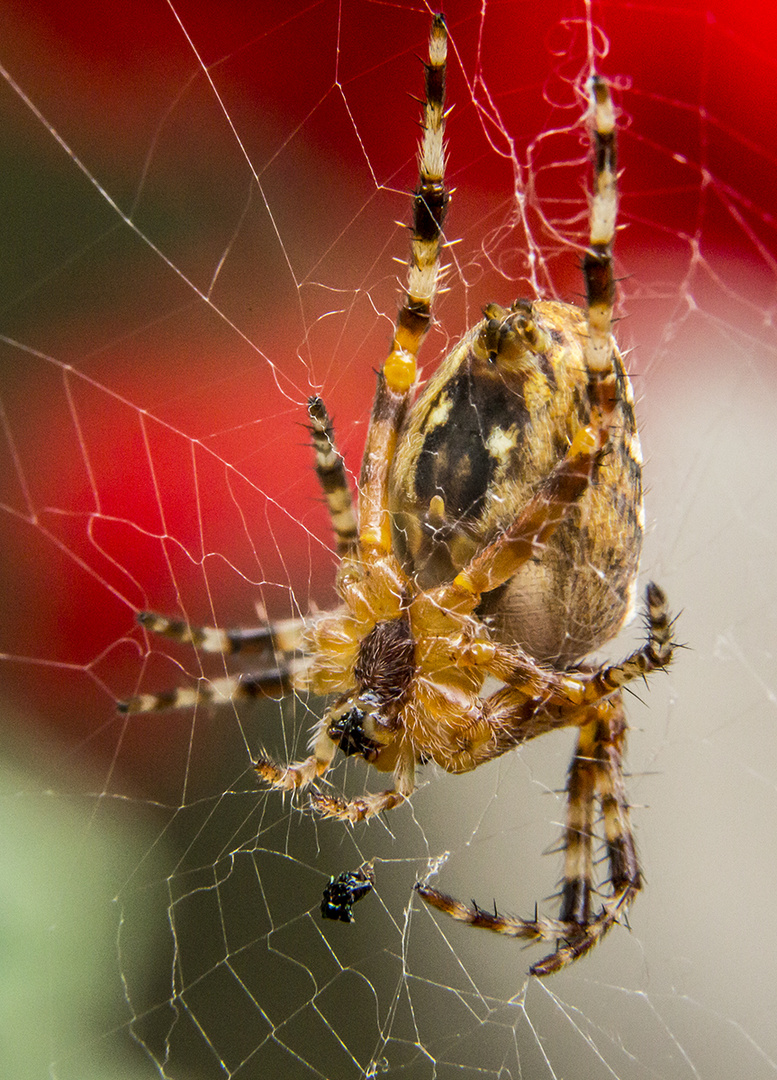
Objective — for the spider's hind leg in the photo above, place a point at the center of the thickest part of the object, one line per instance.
(596, 772)
(595, 776)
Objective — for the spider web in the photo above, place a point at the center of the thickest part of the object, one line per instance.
(199, 207)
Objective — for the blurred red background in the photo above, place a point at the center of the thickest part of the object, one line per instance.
(186, 261)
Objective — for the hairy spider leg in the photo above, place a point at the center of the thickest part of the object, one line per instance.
(398, 376)
(396, 381)
(277, 644)
(330, 470)
(597, 263)
(548, 690)
(596, 772)
(537, 699)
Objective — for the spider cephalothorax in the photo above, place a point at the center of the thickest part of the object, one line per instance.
(497, 537)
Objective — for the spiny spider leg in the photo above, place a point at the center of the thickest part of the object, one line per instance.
(597, 264)
(283, 637)
(596, 772)
(278, 644)
(532, 682)
(330, 470)
(395, 384)
(656, 653)
(398, 376)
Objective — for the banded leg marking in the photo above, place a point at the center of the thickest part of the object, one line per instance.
(430, 201)
(284, 636)
(398, 375)
(596, 771)
(597, 263)
(654, 655)
(330, 470)
(272, 683)
(278, 645)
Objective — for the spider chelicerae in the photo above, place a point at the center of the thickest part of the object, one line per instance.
(498, 534)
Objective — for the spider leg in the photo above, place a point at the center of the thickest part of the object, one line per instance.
(656, 653)
(330, 470)
(594, 704)
(363, 807)
(273, 683)
(537, 699)
(359, 808)
(398, 376)
(529, 681)
(597, 264)
(596, 771)
(284, 636)
(552, 503)
(430, 202)
(278, 645)
(532, 929)
(369, 569)
(270, 640)
(300, 773)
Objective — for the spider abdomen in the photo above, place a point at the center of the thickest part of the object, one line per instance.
(488, 428)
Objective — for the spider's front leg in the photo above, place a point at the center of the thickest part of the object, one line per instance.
(369, 580)
(398, 375)
(364, 807)
(367, 720)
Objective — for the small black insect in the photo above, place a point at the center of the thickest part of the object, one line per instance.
(344, 891)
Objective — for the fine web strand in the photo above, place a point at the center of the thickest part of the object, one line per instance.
(202, 217)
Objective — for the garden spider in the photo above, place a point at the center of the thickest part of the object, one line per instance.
(498, 535)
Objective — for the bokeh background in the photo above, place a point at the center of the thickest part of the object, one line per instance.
(199, 207)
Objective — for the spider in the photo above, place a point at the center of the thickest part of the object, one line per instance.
(498, 535)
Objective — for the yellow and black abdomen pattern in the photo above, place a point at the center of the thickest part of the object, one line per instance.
(489, 427)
